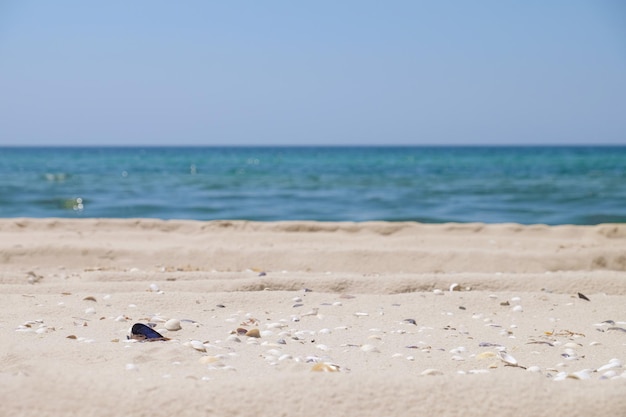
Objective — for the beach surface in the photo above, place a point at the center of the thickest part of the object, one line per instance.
(308, 318)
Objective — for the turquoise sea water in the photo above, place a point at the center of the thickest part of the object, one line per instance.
(551, 185)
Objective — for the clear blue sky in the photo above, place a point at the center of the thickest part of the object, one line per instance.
(317, 72)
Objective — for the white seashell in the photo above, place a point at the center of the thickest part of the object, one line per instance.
(154, 287)
(613, 364)
(325, 331)
(322, 347)
(455, 287)
(478, 371)
(233, 338)
(90, 310)
(275, 325)
(431, 371)
(410, 358)
(337, 304)
(594, 343)
(197, 345)
(437, 291)
(517, 308)
(172, 325)
(284, 357)
(361, 314)
(457, 358)
(296, 299)
(584, 374)
(516, 299)
(561, 376)
(533, 369)
(609, 374)
(508, 359)
(370, 348)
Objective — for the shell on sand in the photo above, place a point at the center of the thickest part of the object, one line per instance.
(173, 325)
(508, 359)
(325, 367)
(253, 333)
(485, 355)
(431, 371)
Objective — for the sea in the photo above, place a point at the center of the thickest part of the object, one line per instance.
(583, 185)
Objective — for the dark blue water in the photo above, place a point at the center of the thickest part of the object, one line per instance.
(551, 185)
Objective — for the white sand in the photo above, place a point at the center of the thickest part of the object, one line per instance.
(365, 281)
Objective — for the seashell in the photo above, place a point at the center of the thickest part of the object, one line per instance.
(533, 369)
(410, 321)
(478, 371)
(253, 333)
(90, 310)
(370, 348)
(325, 331)
(172, 325)
(508, 359)
(613, 364)
(233, 338)
(431, 371)
(325, 367)
(322, 347)
(90, 298)
(284, 357)
(455, 287)
(209, 359)
(457, 358)
(518, 308)
(584, 374)
(154, 288)
(71, 337)
(197, 345)
(361, 314)
(142, 332)
(270, 326)
(266, 333)
(485, 355)
(437, 292)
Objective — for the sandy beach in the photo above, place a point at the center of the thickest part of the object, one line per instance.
(308, 318)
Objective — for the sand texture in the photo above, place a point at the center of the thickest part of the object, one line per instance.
(307, 318)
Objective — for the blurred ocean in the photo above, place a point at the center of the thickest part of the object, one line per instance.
(551, 185)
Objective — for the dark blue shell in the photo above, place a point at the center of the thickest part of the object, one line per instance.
(141, 331)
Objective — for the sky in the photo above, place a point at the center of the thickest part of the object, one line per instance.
(312, 72)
